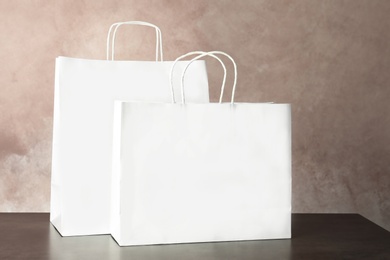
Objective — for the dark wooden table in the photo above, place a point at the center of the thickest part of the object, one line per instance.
(315, 236)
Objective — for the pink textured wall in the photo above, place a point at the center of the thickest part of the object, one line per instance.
(329, 59)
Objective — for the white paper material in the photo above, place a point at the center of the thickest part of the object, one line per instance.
(201, 172)
(85, 91)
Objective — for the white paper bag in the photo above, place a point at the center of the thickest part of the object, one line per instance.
(201, 172)
(85, 91)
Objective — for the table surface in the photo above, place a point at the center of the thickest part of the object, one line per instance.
(314, 236)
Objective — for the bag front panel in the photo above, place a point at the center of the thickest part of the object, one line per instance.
(204, 172)
(83, 128)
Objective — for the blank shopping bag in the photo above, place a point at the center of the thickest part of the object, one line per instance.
(201, 172)
(85, 91)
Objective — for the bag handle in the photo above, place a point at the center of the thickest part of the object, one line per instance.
(114, 27)
(189, 54)
(211, 53)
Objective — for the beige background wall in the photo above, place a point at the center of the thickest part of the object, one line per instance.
(329, 59)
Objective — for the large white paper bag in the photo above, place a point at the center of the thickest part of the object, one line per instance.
(85, 91)
(201, 172)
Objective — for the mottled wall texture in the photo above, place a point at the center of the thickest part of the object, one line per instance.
(329, 59)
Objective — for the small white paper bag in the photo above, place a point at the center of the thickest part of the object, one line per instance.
(201, 172)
